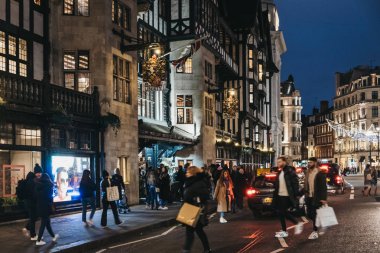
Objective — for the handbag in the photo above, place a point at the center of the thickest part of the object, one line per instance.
(326, 217)
(157, 189)
(112, 192)
(369, 177)
(189, 215)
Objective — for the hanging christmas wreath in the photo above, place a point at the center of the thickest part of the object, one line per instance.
(154, 71)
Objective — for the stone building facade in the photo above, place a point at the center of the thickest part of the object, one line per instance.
(291, 110)
(356, 106)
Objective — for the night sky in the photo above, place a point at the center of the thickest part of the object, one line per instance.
(324, 37)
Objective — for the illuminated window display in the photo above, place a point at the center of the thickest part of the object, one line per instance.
(67, 172)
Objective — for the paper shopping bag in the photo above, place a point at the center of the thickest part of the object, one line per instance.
(326, 217)
(112, 193)
(189, 215)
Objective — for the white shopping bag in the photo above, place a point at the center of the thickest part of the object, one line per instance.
(325, 217)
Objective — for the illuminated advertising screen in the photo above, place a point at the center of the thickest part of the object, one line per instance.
(67, 172)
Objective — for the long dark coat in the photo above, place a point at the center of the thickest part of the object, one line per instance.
(320, 188)
(292, 185)
(164, 185)
(44, 196)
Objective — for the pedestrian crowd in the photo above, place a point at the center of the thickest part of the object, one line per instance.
(37, 192)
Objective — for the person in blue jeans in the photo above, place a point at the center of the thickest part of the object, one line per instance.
(87, 191)
(152, 190)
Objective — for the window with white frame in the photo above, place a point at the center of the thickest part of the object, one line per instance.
(209, 110)
(184, 109)
(146, 102)
(121, 80)
(76, 70)
(76, 7)
(251, 93)
(13, 54)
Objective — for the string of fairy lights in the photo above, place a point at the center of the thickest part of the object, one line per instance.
(356, 133)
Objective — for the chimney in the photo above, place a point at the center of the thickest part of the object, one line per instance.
(324, 106)
(315, 111)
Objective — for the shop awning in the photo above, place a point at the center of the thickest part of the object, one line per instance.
(362, 158)
(159, 133)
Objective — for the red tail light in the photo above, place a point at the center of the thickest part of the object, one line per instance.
(271, 177)
(298, 170)
(251, 191)
(338, 179)
(324, 168)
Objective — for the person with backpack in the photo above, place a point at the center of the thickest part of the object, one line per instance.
(197, 193)
(104, 184)
(44, 197)
(25, 191)
(122, 203)
(87, 191)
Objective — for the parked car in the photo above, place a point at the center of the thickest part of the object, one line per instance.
(260, 196)
(334, 178)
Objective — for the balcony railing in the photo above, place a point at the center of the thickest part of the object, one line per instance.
(24, 91)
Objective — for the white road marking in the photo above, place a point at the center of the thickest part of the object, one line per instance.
(352, 196)
(212, 215)
(352, 191)
(100, 251)
(278, 250)
(291, 227)
(283, 242)
(146, 239)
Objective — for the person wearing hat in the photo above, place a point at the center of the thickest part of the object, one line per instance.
(30, 202)
(315, 192)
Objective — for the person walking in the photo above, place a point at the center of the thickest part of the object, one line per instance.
(285, 196)
(240, 185)
(367, 180)
(152, 190)
(122, 203)
(196, 192)
(164, 185)
(224, 194)
(104, 184)
(373, 182)
(44, 201)
(87, 192)
(315, 190)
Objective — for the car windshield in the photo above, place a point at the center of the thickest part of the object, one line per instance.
(263, 182)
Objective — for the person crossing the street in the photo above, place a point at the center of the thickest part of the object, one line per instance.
(285, 196)
(315, 192)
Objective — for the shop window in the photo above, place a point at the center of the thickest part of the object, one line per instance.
(184, 109)
(13, 54)
(121, 80)
(28, 135)
(209, 110)
(85, 140)
(58, 138)
(121, 14)
(76, 7)
(76, 70)
(186, 68)
(122, 164)
(6, 134)
(73, 139)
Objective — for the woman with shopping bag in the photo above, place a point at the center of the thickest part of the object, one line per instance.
(110, 193)
(196, 193)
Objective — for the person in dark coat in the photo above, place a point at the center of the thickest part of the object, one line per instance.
(104, 184)
(122, 203)
(30, 201)
(216, 174)
(196, 193)
(240, 185)
(44, 197)
(285, 196)
(164, 185)
(180, 178)
(87, 189)
(315, 190)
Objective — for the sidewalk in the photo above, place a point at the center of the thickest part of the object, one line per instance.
(74, 237)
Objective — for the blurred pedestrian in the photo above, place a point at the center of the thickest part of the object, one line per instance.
(152, 190)
(373, 183)
(87, 189)
(240, 185)
(216, 174)
(164, 185)
(367, 180)
(196, 193)
(285, 196)
(315, 192)
(104, 184)
(44, 197)
(118, 180)
(224, 194)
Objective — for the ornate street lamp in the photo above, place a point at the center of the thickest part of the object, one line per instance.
(154, 67)
(230, 104)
